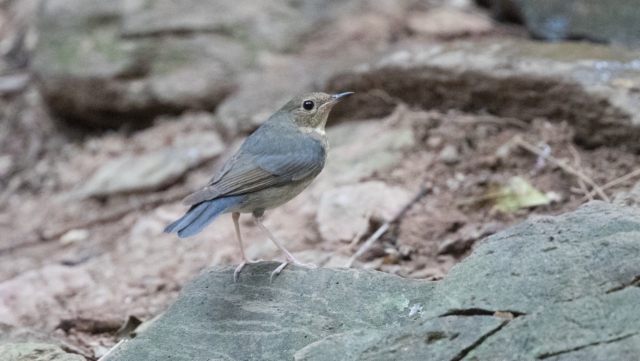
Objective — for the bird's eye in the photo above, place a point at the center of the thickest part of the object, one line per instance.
(307, 105)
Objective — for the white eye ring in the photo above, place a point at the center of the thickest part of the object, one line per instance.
(308, 105)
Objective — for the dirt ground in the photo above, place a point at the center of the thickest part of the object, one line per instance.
(84, 272)
(92, 264)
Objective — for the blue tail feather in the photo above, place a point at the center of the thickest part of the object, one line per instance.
(201, 215)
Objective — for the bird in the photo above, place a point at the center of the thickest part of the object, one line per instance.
(273, 165)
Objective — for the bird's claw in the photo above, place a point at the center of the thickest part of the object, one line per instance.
(244, 262)
(290, 261)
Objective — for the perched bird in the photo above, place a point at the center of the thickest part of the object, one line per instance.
(273, 165)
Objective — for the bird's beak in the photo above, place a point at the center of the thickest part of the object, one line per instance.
(336, 98)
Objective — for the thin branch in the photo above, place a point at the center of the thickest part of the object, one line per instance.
(111, 350)
(577, 161)
(617, 181)
(374, 237)
(567, 168)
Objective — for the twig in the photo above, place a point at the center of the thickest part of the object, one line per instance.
(567, 168)
(111, 350)
(152, 200)
(617, 181)
(366, 245)
(492, 120)
(577, 161)
(361, 232)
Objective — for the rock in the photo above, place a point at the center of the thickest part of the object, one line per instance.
(13, 84)
(436, 339)
(345, 212)
(517, 79)
(131, 79)
(561, 288)
(448, 23)
(126, 62)
(629, 197)
(14, 334)
(356, 158)
(22, 297)
(449, 155)
(74, 236)
(154, 170)
(279, 77)
(128, 57)
(262, 93)
(595, 324)
(334, 296)
(613, 22)
(267, 24)
(35, 352)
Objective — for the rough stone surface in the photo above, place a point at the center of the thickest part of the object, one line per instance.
(443, 338)
(629, 197)
(126, 62)
(350, 161)
(448, 23)
(303, 307)
(264, 90)
(604, 22)
(35, 352)
(39, 289)
(153, 170)
(553, 288)
(14, 334)
(512, 79)
(93, 72)
(346, 211)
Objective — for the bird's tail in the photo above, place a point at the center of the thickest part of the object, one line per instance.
(200, 215)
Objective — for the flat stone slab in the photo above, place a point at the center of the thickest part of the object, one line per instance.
(254, 319)
(557, 288)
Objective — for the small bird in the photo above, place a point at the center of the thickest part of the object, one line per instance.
(273, 165)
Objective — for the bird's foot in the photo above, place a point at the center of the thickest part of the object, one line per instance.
(290, 260)
(245, 261)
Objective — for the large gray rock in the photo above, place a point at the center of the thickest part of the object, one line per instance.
(125, 62)
(592, 87)
(556, 288)
(613, 21)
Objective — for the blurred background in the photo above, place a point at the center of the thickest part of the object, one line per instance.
(469, 115)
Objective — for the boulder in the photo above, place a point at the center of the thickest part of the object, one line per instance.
(106, 64)
(94, 72)
(594, 20)
(554, 288)
(590, 86)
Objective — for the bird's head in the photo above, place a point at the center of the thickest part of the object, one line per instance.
(310, 111)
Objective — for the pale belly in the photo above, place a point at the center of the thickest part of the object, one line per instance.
(272, 197)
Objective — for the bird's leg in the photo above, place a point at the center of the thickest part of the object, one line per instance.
(288, 256)
(245, 260)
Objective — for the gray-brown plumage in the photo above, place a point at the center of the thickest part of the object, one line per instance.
(275, 164)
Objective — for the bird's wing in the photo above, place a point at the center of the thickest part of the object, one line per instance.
(267, 159)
